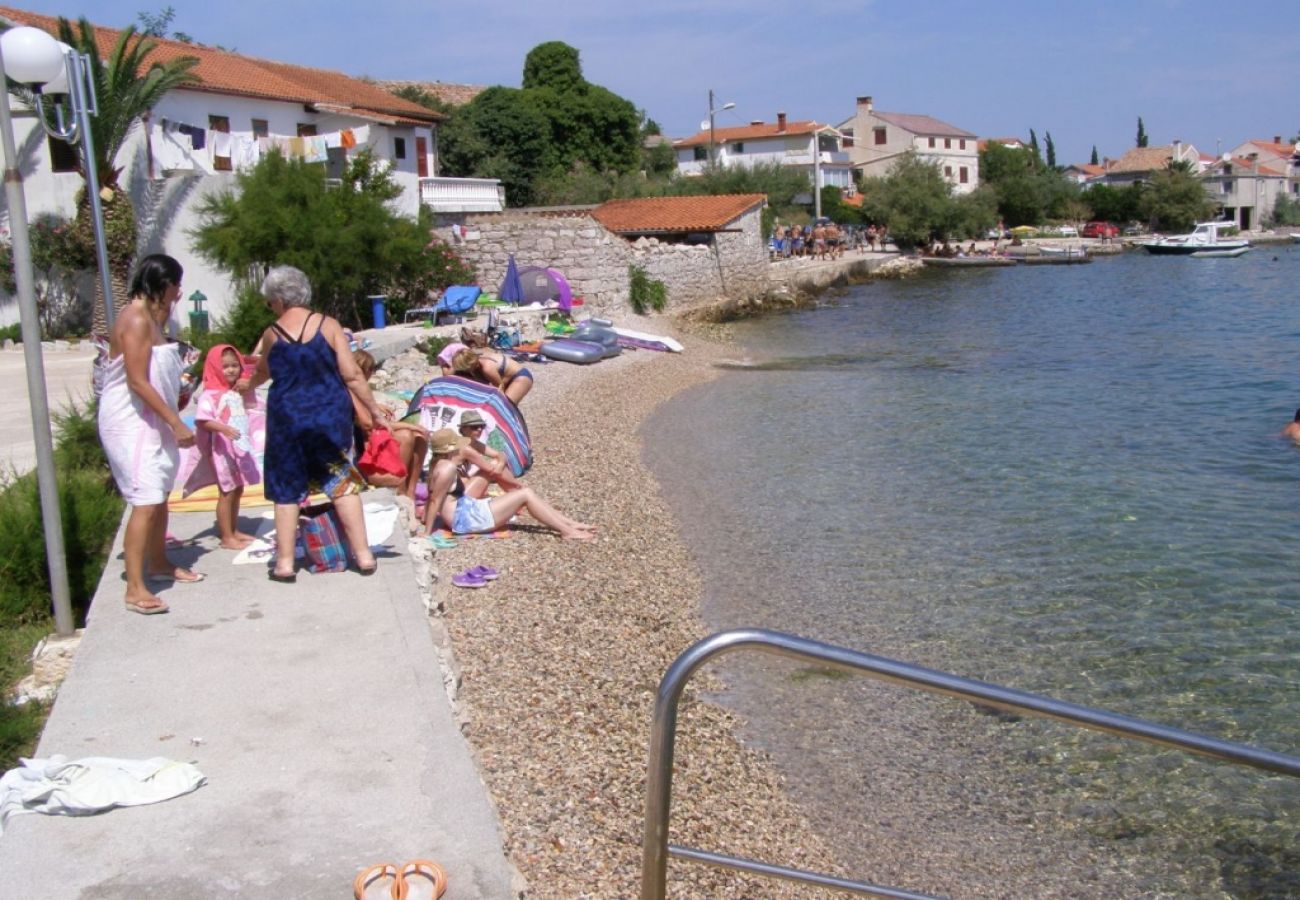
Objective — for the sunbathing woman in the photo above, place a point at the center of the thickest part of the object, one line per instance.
(450, 498)
(495, 368)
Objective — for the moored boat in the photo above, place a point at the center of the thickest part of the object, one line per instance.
(963, 262)
(1203, 238)
(1220, 253)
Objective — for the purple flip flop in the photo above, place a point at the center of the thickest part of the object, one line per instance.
(487, 573)
(468, 580)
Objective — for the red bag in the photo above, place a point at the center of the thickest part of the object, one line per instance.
(382, 456)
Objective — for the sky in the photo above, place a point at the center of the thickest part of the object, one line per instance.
(1202, 72)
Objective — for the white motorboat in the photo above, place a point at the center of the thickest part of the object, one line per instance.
(1203, 238)
(1218, 254)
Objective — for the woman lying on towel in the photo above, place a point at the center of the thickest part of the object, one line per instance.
(451, 496)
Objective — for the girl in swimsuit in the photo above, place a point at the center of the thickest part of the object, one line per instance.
(495, 368)
(451, 497)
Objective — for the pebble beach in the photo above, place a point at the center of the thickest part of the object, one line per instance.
(554, 666)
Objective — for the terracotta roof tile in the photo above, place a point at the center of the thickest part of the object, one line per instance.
(222, 72)
(926, 125)
(752, 133)
(650, 215)
(1272, 148)
(1142, 159)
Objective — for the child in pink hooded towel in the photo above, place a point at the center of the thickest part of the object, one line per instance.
(231, 429)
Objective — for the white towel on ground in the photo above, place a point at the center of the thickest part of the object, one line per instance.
(87, 786)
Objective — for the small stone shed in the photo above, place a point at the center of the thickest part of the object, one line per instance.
(702, 248)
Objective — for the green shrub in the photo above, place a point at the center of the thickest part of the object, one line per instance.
(13, 332)
(76, 445)
(91, 512)
(434, 345)
(645, 293)
(243, 323)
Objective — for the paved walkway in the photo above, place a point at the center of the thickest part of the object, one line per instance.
(316, 711)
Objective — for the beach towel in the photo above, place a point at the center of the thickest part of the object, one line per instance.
(87, 786)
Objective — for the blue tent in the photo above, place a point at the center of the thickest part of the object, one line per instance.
(512, 289)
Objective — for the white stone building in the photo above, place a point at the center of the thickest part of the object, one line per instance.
(808, 146)
(879, 139)
(198, 137)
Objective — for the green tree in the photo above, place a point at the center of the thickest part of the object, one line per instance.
(346, 237)
(1051, 150)
(1012, 173)
(1114, 204)
(128, 84)
(557, 125)
(1033, 145)
(914, 200)
(1093, 159)
(1142, 133)
(1176, 199)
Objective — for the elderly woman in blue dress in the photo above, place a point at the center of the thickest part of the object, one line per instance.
(309, 418)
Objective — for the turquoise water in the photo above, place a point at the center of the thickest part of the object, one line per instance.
(1065, 479)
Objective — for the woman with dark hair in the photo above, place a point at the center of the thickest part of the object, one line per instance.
(309, 418)
(140, 427)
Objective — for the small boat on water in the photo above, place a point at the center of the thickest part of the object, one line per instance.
(1204, 237)
(1295, 237)
(966, 262)
(1220, 253)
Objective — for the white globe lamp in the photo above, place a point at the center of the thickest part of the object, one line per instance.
(32, 57)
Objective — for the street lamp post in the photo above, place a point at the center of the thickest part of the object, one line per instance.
(725, 106)
(35, 59)
(76, 83)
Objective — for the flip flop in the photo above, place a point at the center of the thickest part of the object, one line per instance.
(442, 543)
(422, 880)
(381, 882)
(148, 610)
(192, 578)
(487, 573)
(466, 580)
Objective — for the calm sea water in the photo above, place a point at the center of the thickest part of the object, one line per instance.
(1064, 479)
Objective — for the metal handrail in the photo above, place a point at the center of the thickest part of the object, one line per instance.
(663, 735)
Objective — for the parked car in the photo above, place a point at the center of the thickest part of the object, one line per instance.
(1065, 231)
(1100, 230)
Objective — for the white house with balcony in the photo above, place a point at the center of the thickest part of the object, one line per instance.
(880, 139)
(196, 140)
(1247, 187)
(811, 147)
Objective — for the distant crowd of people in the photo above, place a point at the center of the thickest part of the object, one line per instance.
(823, 240)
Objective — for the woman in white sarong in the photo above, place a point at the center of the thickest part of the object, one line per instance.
(140, 427)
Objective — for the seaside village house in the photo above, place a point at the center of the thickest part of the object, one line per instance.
(198, 137)
(1140, 163)
(813, 148)
(880, 138)
(1248, 179)
(701, 248)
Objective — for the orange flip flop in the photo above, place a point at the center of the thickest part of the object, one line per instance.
(422, 879)
(381, 882)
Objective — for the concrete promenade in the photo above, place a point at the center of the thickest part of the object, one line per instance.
(316, 710)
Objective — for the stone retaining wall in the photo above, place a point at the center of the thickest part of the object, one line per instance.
(595, 261)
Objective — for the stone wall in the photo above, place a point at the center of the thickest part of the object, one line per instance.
(595, 261)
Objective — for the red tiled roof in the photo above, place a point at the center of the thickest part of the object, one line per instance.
(1244, 165)
(924, 125)
(1142, 159)
(651, 215)
(751, 133)
(1272, 148)
(1089, 169)
(222, 72)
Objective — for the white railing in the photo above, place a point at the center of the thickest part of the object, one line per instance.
(462, 194)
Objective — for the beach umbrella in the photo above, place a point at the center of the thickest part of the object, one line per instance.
(512, 289)
(442, 401)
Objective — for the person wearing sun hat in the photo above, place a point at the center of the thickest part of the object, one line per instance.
(451, 496)
(486, 463)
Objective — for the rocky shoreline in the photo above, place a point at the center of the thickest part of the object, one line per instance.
(554, 666)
